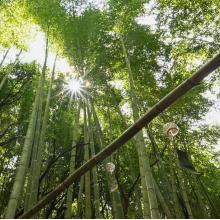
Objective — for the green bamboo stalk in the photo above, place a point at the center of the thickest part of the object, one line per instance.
(37, 160)
(182, 184)
(25, 156)
(30, 202)
(115, 195)
(177, 209)
(152, 113)
(162, 172)
(28, 191)
(117, 206)
(80, 198)
(144, 163)
(88, 211)
(144, 188)
(162, 201)
(184, 193)
(28, 198)
(215, 210)
(94, 170)
(201, 199)
(116, 198)
(72, 162)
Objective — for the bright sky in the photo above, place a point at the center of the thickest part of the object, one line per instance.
(36, 52)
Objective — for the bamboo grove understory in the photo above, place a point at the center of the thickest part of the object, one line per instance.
(113, 122)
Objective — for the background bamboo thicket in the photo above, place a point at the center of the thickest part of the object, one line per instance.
(109, 119)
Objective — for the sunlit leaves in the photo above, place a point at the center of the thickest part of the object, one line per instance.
(16, 27)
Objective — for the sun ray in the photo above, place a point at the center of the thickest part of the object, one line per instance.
(76, 87)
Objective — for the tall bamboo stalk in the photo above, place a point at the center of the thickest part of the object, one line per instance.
(72, 162)
(28, 198)
(144, 163)
(144, 188)
(88, 211)
(177, 209)
(201, 199)
(182, 184)
(164, 178)
(205, 193)
(80, 198)
(115, 195)
(184, 193)
(25, 156)
(37, 160)
(113, 185)
(94, 170)
(162, 201)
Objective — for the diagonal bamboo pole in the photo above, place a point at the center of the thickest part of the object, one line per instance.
(164, 103)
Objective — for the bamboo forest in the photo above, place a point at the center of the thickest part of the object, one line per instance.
(110, 109)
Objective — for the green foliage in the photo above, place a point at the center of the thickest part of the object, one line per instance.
(89, 37)
(16, 26)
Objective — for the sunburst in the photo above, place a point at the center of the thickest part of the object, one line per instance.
(76, 87)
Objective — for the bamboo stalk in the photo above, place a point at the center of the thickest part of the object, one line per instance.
(117, 209)
(150, 208)
(88, 211)
(94, 170)
(162, 201)
(37, 161)
(163, 104)
(72, 162)
(21, 171)
(4, 56)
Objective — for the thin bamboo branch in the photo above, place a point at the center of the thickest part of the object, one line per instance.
(163, 104)
(4, 56)
(7, 74)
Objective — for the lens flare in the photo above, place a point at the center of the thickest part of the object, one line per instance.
(74, 86)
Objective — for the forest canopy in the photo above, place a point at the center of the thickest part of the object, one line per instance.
(124, 56)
